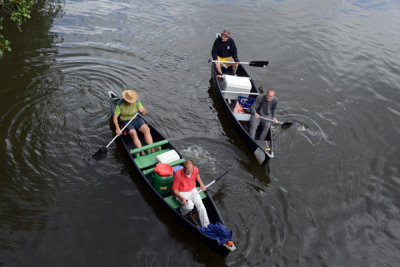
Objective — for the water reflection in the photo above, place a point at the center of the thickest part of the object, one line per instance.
(26, 187)
(327, 198)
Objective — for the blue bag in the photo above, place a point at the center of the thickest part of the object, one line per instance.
(245, 102)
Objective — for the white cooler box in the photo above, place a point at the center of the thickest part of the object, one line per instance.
(168, 157)
(238, 85)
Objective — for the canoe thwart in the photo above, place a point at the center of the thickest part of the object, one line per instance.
(149, 159)
(174, 203)
(242, 116)
(148, 147)
(239, 93)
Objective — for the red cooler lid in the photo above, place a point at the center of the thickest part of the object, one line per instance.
(163, 169)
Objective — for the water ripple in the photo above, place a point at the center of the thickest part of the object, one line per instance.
(328, 198)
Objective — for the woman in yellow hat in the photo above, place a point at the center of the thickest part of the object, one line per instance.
(124, 111)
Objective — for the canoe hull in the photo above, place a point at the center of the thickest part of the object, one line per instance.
(213, 213)
(257, 147)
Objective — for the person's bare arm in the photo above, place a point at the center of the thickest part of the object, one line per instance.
(202, 186)
(115, 120)
(142, 110)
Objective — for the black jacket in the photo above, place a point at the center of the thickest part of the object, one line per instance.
(224, 49)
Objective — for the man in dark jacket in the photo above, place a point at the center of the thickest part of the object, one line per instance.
(264, 106)
(224, 49)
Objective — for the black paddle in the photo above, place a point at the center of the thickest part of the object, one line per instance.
(198, 192)
(283, 124)
(103, 150)
(262, 64)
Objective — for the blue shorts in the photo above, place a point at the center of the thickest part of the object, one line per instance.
(134, 125)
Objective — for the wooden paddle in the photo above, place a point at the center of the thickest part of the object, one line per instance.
(103, 150)
(198, 192)
(262, 64)
(283, 124)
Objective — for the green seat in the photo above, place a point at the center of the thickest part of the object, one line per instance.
(136, 151)
(148, 160)
(174, 203)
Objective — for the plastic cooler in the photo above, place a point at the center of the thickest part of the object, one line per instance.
(163, 178)
(241, 85)
(168, 157)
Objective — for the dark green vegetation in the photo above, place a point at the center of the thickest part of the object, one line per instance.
(17, 12)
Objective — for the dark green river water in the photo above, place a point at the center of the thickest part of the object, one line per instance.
(330, 197)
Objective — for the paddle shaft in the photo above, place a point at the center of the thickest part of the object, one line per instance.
(268, 119)
(263, 64)
(198, 192)
(126, 125)
(280, 123)
(231, 62)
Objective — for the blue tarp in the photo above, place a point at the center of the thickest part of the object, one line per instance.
(218, 232)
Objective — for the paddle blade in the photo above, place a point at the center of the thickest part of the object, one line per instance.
(222, 175)
(262, 64)
(99, 154)
(286, 124)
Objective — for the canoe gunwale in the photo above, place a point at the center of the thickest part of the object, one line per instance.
(209, 202)
(259, 152)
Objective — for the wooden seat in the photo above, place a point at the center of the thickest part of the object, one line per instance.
(146, 161)
(242, 116)
(137, 151)
(174, 203)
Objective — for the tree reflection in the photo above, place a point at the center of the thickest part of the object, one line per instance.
(22, 187)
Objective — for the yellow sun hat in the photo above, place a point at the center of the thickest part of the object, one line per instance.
(130, 96)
